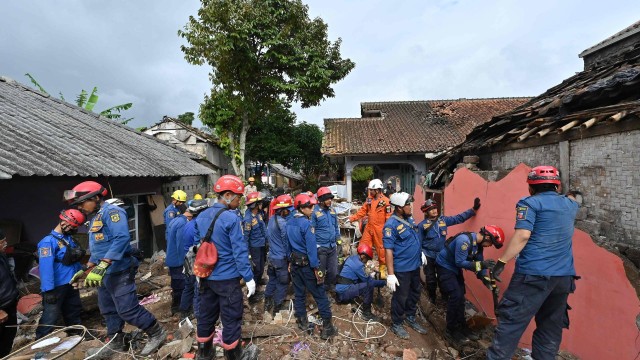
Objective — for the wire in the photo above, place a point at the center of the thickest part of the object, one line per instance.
(50, 335)
(365, 336)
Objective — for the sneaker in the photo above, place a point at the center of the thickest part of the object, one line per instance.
(413, 323)
(400, 331)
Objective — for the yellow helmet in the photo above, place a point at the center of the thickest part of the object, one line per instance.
(251, 179)
(179, 195)
(197, 197)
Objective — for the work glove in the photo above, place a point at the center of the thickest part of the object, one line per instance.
(251, 287)
(486, 264)
(94, 278)
(392, 282)
(50, 297)
(489, 282)
(319, 276)
(497, 269)
(424, 259)
(76, 277)
(476, 204)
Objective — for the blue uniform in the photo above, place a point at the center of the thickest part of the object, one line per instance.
(189, 297)
(189, 235)
(543, 278)
(109, 239)
(303, 244)
(221, 291)
(277, 267)
(54, 278)
(255, 234)
(175, 259)
(401, 237)
(325, 222)
(170, 213)
(354, 282)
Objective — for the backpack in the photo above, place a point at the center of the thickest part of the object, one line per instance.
(207, 255)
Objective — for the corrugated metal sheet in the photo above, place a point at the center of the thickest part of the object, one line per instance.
(41, 135)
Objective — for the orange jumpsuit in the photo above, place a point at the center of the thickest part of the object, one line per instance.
(379, 210)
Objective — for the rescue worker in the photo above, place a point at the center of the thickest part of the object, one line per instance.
(378, 210)
(190, 300)
(113, 270)
(305, 268)
(272, 209)
(353, 281)
(465, 251)
(178, 198)
(544, 273)
(278, 256)
(325, 222)
(175, 257)
(221, 292)
(59, 260)
(255, 234)
(251, 187)
(8, 301)
(402, 246)
(389, 190)
(433, 232)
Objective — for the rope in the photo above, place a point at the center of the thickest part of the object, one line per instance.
(80, 327)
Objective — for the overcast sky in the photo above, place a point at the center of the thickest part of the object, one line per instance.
(403, 50)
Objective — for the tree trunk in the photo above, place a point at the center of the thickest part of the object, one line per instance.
(243, 141)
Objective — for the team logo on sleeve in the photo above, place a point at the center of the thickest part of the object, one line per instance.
(521, 212)
(115, 217)
(247, 226)
(464, 246)
(45, 252)
(387, 232)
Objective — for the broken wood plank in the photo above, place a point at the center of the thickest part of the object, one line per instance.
(617, 117)
(568, 126)
(543, 132)
(589, 123)
(265, 330)
(526, 135)
(537, 122)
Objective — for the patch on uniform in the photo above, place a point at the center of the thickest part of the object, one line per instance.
(464, 246)
(332, 212)
(521, 212)
(60, 244)
(172, 214)
(96, 225)
(254, 222)
(115, 217)
(442, 223)
(45, 252)
(381, 203)
(313, 230)
(368, 200)
(387, 232)
(98, 236)
(318, 213)
(427, 225)
(247, 226)
(388, 209)
(399, 227)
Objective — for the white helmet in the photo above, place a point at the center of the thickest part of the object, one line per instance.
(115, 201)
(400, 199)
(375, 184)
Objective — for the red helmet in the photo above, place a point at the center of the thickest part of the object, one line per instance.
(428, 205)
(543, 175)
(324, 193)
(229, 183)
(84, 191)
(495, 233)
(365, 249)
(253, 198)
(302, 200)
(312, 196)
(72, 217)
(283, 202)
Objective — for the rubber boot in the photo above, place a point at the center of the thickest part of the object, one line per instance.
(328, 330)
(303, 323)
(468, 333)
(413, 323)
(157, 336)
(275, 309)
(268, 304)
(455, 335)
(109, 351)
(367, 315)
(400, 331)
(206, 351)
(383, 272)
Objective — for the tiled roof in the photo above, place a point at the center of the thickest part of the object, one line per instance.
(205, 136)
(41, 135)
(632, 29)
(400, 127)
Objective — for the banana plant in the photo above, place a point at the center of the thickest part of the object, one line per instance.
(88, 102)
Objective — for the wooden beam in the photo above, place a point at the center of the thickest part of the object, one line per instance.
(568, 126)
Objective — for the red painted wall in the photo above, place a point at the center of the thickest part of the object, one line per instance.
(604, 305)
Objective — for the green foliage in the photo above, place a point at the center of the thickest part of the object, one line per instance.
(362, 173)
(270, 139)
(36, 84)
(187, 118)
(265, 55)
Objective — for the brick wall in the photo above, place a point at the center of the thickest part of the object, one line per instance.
(607, 170)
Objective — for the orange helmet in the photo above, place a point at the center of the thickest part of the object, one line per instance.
(229, 183)
(283, 202)
(253, 198)
(324, 193)
(302, 200)
(312, 196)
(365, 249)
(495, 233)
(72, 217)
(543, 175)
(84, 191)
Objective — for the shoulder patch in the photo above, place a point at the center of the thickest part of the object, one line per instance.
(313, 230)
(115, 217)
(521, 212)
(171, 214)
(399, 226)
(387, 231)
(318, 213)
(388, 209)
(45, 252)
(464, 246)
(247, 226)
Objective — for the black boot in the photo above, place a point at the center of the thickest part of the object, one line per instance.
(109, 351)
(206, 351)
(303, 323)
(234, 354)
(268, 304)
(367, 315)
(157, 336)
(328, 330)
(276, 308)
(455, 335)
(468, 333)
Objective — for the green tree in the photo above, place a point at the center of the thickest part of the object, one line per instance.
(88, 101)
(362, 173)
(270, 140)
(264, 54)
(187, 118)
